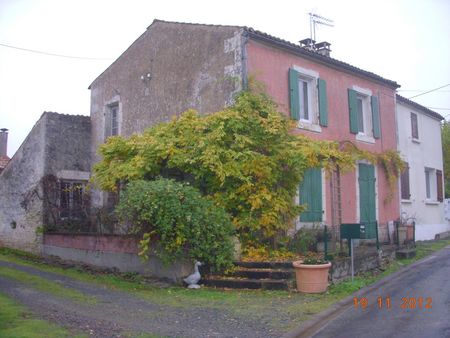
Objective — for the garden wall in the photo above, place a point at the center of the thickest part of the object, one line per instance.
(363, 261)
(112, 251)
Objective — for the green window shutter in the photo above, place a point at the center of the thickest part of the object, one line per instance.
(294, 99)
(323, 103)
(375, 116)
(311, 195)
(367, 202)
(353, 111)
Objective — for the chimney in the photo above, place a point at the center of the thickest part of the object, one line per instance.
(308, 44)
(323, 48)
(3, 142)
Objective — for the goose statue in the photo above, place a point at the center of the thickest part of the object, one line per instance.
(193, 279)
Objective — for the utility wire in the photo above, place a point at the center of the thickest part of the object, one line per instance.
(438, 108)
(52, 54)
(432, 90)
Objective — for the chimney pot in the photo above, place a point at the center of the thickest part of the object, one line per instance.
(3, 142)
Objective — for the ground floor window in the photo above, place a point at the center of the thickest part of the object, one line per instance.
(71, 199)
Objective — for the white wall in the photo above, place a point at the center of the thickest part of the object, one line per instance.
(426, 152)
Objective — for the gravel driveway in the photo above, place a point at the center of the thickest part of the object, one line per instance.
(116, 312)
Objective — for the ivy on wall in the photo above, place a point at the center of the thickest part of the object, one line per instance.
(243, 158)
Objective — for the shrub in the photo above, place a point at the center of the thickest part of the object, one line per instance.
(180, 220)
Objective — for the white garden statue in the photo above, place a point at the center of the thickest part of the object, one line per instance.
(193, 279)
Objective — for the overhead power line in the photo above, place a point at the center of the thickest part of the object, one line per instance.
(432, 90)
(53, 54)
(438, 108)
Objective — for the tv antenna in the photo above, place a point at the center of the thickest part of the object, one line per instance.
(315, 19)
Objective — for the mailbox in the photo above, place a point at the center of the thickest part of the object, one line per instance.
(351, 230)
(359, 230)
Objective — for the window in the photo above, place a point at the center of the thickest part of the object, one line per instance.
(308, 98)
(310, 192)
(414, 127)
(71, 199)
(360, 113)
(364, 114)
(112, 117)
(404, 184)
(304, 87)
(428, 177)
(434, 185)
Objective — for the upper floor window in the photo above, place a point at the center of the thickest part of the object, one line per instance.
(112, 119)
(414, 126)
(308, 98)
(364, 114)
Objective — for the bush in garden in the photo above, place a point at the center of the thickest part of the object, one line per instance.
(179, 220)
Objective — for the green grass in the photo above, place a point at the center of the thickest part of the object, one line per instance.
(45, 285)
(290, 307)
(17, 322)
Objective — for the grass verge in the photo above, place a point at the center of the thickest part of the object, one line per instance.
(45, 285)
(291, 308)
(17, 322)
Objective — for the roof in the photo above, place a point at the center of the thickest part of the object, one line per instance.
(296, 49)
(292, 47)
(423, 109)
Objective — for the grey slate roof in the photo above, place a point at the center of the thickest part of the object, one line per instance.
(423, 109)
(293, 48)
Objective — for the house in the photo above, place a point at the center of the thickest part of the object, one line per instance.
(174, 66)
(421, 184)
(44, 179)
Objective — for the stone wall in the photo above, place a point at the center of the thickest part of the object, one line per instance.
(363, 261)
(112, 251)
(57, 145)
(170, 68)
(20, 177)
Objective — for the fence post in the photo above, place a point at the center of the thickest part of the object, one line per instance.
(376, 230)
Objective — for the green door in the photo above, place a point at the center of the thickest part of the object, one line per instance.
(367, 194)
(311, 195)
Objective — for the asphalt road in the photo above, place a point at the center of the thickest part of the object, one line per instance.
(414, 304)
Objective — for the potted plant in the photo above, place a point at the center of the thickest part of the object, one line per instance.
(312, 274)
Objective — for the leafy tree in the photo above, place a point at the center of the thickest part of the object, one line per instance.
(446, 155)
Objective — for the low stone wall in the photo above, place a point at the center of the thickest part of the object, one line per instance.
(363, 261)
(111, 251)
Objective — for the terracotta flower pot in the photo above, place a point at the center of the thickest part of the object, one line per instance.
(311, 278)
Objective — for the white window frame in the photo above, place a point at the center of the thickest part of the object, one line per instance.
(310, 77)
(366, 135)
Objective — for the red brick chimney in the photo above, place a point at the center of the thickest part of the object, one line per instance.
(3, 142)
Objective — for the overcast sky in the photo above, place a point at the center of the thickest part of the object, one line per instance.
(403, 40)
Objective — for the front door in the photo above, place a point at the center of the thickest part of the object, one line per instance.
(367, 204)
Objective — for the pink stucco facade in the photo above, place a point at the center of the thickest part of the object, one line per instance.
(270, 65)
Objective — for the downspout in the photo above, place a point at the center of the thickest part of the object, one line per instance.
(244, 59)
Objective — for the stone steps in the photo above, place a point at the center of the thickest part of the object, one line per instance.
(255, 275)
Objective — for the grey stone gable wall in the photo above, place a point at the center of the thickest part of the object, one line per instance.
(170, 68)
(57, 143)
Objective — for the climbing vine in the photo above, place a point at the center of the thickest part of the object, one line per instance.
(243, 158)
